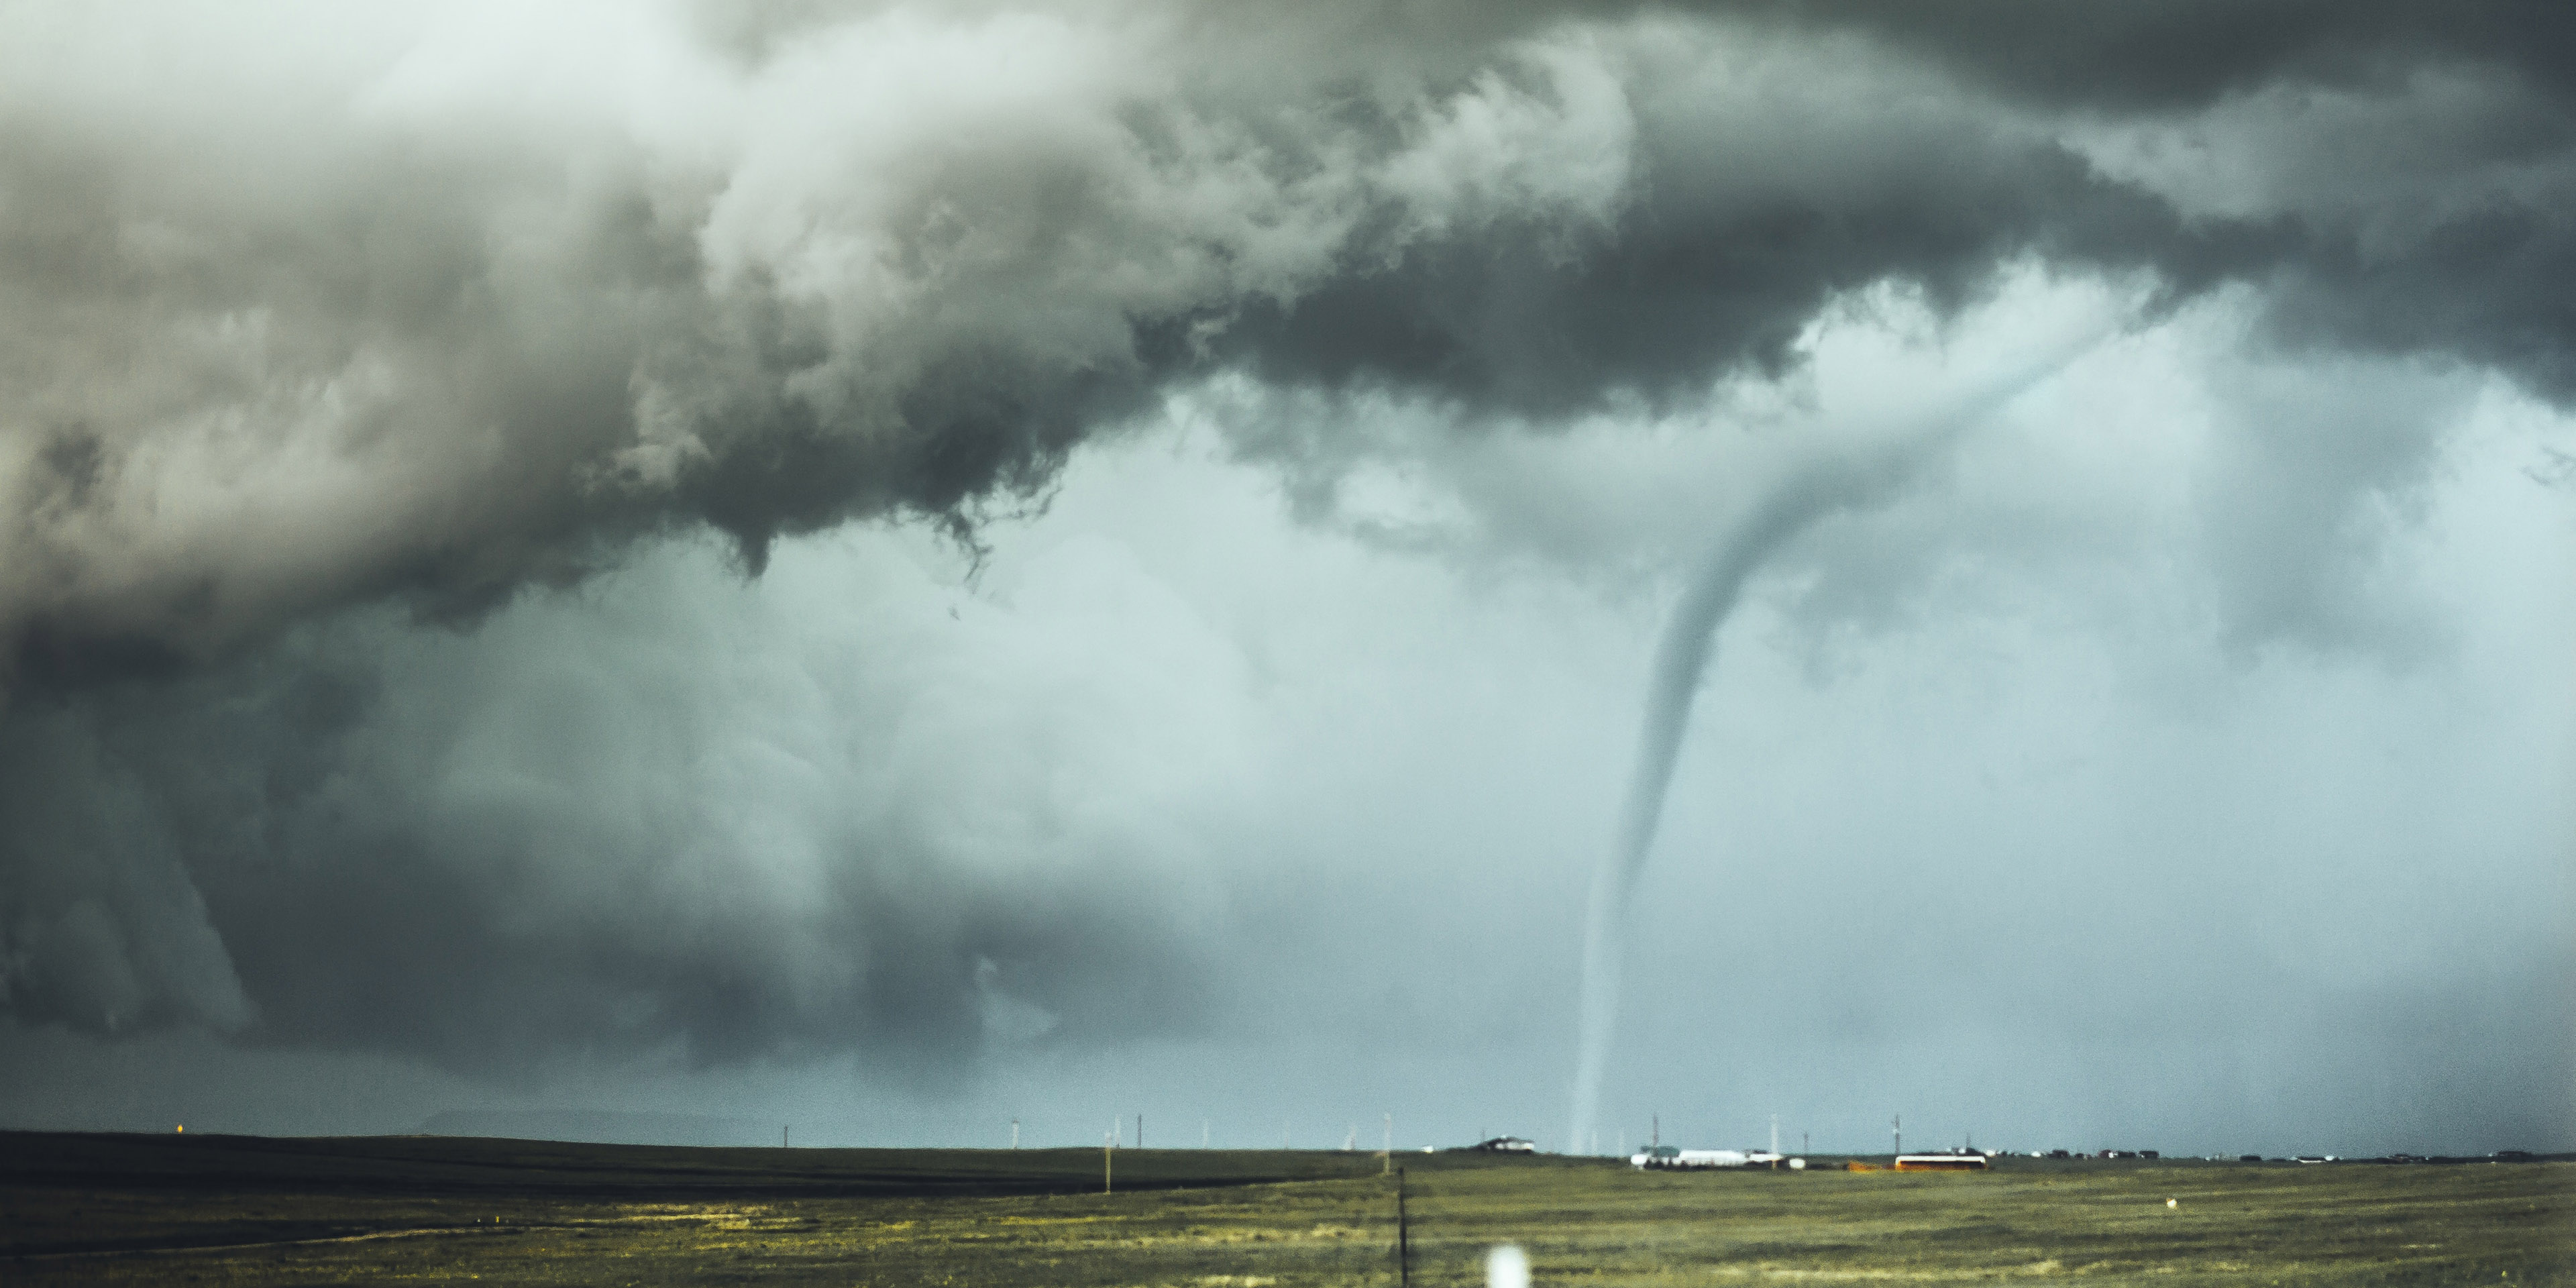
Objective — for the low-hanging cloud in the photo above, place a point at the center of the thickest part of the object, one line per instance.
(718, 838)
(350, 320)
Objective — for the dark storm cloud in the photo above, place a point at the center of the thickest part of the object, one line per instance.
(350, 338)
(351, 315)
(2466, 167)
(2179, 54)
(1737, 238)
(365, 339)
(1739, 235)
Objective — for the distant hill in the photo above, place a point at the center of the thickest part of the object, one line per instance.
(602, 1127)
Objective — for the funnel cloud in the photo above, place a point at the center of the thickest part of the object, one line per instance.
(1811, 492)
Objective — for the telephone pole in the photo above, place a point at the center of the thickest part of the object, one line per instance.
(1896, 1129)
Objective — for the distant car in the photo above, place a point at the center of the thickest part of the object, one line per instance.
(1505, 1145)
(2309, 1158)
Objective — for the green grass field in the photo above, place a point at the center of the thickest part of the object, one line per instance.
(216, 1210)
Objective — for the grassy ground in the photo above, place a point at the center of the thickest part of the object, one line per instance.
(151, 1210)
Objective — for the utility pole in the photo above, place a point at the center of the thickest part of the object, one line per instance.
(1659, 1129)
(1108, 1151)
(1386, 1157)
(1403, 1237)
(782, 1135)
(1896, 1129)
(1015, 1133)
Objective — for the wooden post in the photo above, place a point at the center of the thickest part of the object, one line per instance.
(1107, 1152)
(1403, 1237)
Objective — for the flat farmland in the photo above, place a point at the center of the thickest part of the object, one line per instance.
(242, 1210)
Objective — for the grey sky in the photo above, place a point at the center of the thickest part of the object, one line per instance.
(908, 567)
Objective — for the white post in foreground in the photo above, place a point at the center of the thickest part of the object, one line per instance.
(1506, 1267)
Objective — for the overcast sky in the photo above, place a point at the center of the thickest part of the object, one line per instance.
(903, 567)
